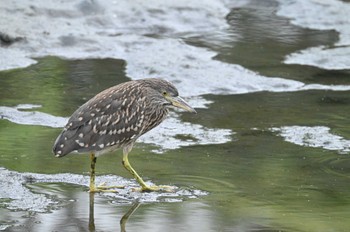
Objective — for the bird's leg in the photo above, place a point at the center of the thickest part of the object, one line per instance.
(100, 188)
(128, 167)
(144, 186)
(92, 172)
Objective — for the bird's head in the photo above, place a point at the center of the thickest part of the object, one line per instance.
(167, 94)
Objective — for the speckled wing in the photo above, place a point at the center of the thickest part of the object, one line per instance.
(112, 118)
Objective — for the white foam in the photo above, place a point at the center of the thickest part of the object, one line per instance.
(320, 15)
(166, 135)
(146, 35)
(19, 197)
(15, 58)
(317, 136)
(14, 114)
(327, 58)
(193, 69)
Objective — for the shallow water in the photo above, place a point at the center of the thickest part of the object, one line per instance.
(258, 160)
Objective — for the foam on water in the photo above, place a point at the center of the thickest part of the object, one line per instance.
(16, 115)
(317, 136)
(166, 135)
(19, 197)
(320, 15)
(146, 35)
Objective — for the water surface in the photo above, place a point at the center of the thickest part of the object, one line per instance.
(282, 164)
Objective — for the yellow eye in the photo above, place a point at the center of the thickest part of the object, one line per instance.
(165, 93)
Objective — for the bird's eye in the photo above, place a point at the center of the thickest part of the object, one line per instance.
(165, 93)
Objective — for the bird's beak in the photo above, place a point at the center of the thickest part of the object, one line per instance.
(180, 103)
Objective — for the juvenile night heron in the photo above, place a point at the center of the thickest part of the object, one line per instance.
(115, 118)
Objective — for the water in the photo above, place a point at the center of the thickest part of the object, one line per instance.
(267, 151)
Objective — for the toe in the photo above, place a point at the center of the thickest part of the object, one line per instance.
(160, 188)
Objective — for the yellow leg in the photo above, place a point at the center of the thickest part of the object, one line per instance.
(144, 186)
(100, 188)
(92, 172)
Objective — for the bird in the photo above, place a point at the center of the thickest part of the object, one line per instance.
(116, 118)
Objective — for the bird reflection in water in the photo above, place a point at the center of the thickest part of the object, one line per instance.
(126, 216)
(91, 212)
(123, 220)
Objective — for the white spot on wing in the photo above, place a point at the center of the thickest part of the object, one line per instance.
(94, 129)
(79, 143)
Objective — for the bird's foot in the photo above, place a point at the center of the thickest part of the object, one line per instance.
(156, 188)
(105, 189)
